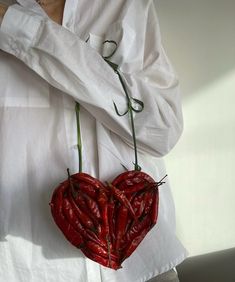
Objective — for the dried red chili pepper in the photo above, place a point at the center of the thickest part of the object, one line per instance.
(70, 215)
(83, 217)
(138, 204)
(103, 204)
(57, 212)
(130, 220)
(101, 260)
(99, 250)
(88, 179)
(137, 229)
(93, 206)
(121, 222)
(81, 202)
(134, 244)
(73, 220)
(111, 219)
(120, 196)
(148, 201)
(133, 177)
(143, 186)
(84, 187)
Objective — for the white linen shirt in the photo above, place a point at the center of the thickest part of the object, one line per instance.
(44, 69)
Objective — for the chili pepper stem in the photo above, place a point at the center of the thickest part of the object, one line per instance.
(136, 166)
(160, 181)
(74, 192)
(79, 142)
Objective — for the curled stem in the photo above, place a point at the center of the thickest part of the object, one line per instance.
(130, 111)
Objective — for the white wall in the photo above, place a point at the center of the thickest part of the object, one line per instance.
(199, 38)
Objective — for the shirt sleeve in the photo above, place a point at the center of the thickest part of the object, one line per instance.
(71, 65)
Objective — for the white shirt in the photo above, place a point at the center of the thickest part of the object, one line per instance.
(44, 68)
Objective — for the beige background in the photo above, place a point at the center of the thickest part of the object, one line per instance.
(199, 38)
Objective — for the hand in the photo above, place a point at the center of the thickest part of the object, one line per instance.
(54, 9)
(3, 9)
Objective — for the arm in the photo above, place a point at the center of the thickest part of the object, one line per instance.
(69, 64)
(3, 9)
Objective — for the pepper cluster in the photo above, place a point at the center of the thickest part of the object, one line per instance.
(107, 222)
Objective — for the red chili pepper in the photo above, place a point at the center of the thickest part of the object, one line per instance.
(73, 220)
(93, 206)
(99, 250)
(132, 177)
(130, 220)
(134, 244)
(93, 237)
(103, 261)
(78, 182)
(137, 228)
(121, 223)
(84, 177)
(143, 186)
(111, 219)
(83, 217)
(82, 204)
(138, 204)
(103, 203)
(96, 249)
(79, 199)
(71, 216)
(121, 197)
(56, 209)
(66, 208)
(125, 175)
(148, 201)
(86, 188)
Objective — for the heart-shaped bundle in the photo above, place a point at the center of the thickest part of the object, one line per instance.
(107, 222)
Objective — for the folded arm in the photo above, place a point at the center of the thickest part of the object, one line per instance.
(71, 65)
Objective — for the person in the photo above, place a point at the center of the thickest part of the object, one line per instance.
(52, 55)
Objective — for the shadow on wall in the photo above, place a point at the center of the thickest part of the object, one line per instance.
(199, 39)
(214, 267)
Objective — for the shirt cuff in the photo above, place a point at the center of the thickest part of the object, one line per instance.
(21, 24)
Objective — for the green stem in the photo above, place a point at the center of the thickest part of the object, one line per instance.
(79, 144)
(137, 167)
(130, 110)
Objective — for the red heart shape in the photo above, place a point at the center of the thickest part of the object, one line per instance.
(107, 222)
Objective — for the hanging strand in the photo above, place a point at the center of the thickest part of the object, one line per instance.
(130, 108)
(130, 111)
(79, 142)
